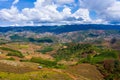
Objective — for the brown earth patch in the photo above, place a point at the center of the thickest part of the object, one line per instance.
(89, 72)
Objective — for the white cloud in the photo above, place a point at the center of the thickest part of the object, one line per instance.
(96, 4)
(44, 11)
(113, 12)
(15, 2)
(11, 15)
(107, 10)
(66, 12)
(82, 14)
(65, 1)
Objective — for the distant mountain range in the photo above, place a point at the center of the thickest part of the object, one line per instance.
(59, 29)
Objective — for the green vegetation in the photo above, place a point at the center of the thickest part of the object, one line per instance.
(113, 40)
(40, 40)
(74, 50)
(103, 55)
(85, 53)
(46, 49)
(107, 60)
(47, 63)
(12, 52)
(3, 41)
(15, 54)
(111, 69)
(38, 75)
(93, 35)
(16, 37)
(11, 58)
(109, 54)
(8, 49)
(91, 45)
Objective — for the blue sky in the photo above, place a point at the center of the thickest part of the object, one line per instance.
(57, 12)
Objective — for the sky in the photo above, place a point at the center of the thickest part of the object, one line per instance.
(58, 12)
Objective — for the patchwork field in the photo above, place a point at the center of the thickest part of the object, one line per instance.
(23, 72)
(70, 61)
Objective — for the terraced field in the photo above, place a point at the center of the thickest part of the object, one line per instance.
(21, 71)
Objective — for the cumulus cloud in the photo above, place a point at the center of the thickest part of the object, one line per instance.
(113, 12)
(96, 4)
(85, 14)
(11, 15)
(44, 11)
(66, 12)
(106, 10)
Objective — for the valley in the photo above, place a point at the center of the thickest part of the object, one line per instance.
(90, 52)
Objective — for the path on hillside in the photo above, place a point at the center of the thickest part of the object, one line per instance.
(70, 75)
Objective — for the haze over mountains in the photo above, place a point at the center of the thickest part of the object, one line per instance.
(59, 29)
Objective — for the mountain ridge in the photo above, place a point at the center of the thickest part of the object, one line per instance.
(60, 29)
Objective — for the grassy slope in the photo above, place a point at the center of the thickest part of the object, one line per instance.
(10, 72)
(77, 72)
(38, 75)
(85, 71)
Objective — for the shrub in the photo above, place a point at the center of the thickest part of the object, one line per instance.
(12, 52)
(74, 50)
(44, 62)
(47, 63)
(11, 58)
(15, 54)
(41, 40)
(104, 55)
(112, 69)
(46, 49)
